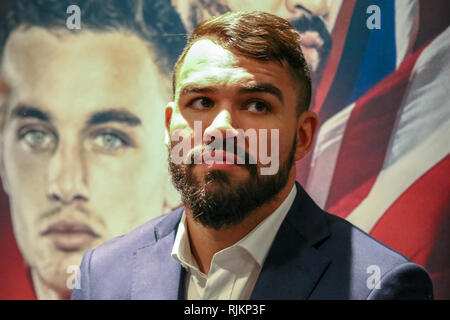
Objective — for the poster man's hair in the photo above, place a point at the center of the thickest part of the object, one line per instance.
(154, 21)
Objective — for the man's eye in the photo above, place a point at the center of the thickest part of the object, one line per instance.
(257, 107)
(37, 139)
(201, 103)
(110, 141)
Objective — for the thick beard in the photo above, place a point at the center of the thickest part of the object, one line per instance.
(228, 205)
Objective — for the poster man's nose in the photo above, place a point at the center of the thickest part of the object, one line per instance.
(67, 176)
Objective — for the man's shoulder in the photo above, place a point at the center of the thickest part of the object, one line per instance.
(369, 269)
(107, 270)
(338, 238)
(141, 236)
(363, 246)
(117, 253)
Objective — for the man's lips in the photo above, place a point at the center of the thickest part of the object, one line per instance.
(70, 235)
(219, 157)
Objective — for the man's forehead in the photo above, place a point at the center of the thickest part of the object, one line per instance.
(205, 52)
(207, 62)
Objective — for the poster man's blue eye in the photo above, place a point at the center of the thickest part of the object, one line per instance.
(37, 139)
(109, 141)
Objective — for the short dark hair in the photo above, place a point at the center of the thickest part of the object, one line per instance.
(154, 21)
(257, 35)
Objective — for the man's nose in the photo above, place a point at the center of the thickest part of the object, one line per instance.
(223, 124)
(67, 176)
(315, 7)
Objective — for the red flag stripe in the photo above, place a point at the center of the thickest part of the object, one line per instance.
(366, 138)
(339, 36)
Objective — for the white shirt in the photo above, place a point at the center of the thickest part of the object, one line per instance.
(234, 270)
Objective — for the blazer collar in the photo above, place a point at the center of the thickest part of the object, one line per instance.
(156, 275)
(293, 265)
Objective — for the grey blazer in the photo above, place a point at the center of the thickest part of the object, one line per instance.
(315, 255)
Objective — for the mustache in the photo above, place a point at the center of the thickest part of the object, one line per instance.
(59, 209)
(239, 153)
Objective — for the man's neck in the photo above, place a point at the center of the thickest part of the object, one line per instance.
(205, 242)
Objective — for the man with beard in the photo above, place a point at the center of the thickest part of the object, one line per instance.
(243, 234)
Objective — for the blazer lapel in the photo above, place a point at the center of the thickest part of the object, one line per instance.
(156, 275)
(293, 265)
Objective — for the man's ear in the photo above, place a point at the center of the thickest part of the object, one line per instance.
(168, 118)
(307, 125)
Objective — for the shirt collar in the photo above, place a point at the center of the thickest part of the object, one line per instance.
(181, 249)
(257, 242)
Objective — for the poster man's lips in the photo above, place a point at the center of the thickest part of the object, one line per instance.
(69, 227)
(70, 236)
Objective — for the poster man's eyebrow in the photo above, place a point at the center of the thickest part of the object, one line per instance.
(23, 111)
(114, 115)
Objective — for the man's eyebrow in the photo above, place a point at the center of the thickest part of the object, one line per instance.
(262, 87)
(197, 89)
(245, 88)
(114, 115)
(24, 111)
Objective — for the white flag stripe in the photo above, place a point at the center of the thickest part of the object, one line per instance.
(396, 179)
(406, 27)
(427, 103)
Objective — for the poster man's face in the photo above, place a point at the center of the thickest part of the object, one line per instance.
(291, 9)
(288, 9)
(83, 155)
(314, 19)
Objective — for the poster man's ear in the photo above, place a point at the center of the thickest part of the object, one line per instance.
(4, 94)
(3, 173)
